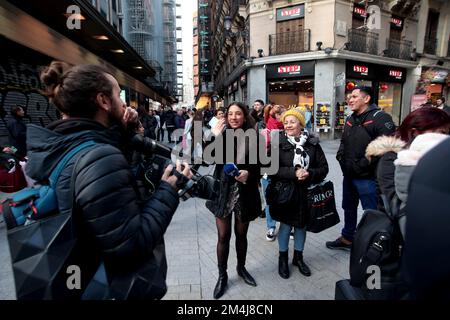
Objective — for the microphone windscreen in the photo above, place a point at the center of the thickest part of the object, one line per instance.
(231, 169)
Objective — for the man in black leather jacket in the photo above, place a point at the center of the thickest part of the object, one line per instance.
(114, 224)
(365, 124)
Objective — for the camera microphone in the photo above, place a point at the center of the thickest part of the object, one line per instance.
(149, 146)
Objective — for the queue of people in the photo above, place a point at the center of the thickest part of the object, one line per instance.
(126, 229)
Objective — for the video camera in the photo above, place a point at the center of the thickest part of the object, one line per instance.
(156, 159)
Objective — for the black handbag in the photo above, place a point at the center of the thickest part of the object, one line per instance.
(280, 192)
(321, 207)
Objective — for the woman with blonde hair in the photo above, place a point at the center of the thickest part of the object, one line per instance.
(302, 162)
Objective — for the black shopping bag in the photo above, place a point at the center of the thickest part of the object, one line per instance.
(322, 207)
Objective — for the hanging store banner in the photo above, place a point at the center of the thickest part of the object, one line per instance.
(291, 13)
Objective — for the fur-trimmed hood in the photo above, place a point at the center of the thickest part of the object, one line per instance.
(420, 146)
(383, 145)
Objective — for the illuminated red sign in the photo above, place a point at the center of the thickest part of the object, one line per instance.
(397, 22)
(361, 69)
(290, 12)
(359, 11)
(395, 73)
(289, 69)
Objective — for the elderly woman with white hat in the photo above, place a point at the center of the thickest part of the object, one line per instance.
(302, 163)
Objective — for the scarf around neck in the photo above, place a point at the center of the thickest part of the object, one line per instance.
(301, 158)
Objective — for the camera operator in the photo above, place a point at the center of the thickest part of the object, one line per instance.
(113, 223)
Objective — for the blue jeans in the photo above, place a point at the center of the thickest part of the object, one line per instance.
(283, 237)
(353, 191)
(270, 222)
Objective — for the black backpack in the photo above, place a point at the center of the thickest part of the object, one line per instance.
(378, 242)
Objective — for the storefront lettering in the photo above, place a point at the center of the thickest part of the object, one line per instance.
(290, 12)
(361, 69)
(395, 73)
(20, 85)
(360, 11)
(397, 22)
(294, 69)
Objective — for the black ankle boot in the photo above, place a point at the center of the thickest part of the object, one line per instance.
(283, 265)
(221, 284)
(298, 261)
(243, 273)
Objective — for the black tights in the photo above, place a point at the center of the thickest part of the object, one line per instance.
(224, 236)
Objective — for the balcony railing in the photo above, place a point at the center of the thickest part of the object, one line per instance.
(289, 42)
(429, 45)
(360, 40)
(400, 49)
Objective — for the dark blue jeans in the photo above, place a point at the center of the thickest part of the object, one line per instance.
(353, 191)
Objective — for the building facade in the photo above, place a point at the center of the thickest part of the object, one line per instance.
(196, 72)
(34, 33)
(204, 28)
(299, 53)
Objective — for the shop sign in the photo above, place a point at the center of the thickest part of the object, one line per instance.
(294, 69)
(359, 12)
(417, 100)
(397, 23)
(243, 79)
(437, 76)
(290, 13)
(363, 70)
(397, 74)
(290, 69)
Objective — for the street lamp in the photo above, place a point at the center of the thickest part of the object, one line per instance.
(227, 23)
(243, 33)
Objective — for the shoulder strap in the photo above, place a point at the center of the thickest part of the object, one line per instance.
(61, 165)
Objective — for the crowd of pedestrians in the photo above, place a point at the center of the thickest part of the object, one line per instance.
(125, 228)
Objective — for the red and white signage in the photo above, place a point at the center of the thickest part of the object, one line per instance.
(359, 11)
(361, 69)
(397, 22)
(291, 12)
(292, 69)
(396, 74)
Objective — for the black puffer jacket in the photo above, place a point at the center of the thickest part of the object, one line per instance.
(359, 131)
(17, 130)
(113, 223)
(297, 215)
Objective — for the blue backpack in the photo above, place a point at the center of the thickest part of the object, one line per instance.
(31, 204)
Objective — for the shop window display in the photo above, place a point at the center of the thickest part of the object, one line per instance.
(292, 94)
(389, 99)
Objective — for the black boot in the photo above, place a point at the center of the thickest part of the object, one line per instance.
(221, 284)
(283, 266)
(243, 273)
(298, 261)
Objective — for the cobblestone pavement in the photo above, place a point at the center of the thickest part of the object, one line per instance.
(191, 254)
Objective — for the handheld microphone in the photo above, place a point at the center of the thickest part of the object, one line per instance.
(230, 169)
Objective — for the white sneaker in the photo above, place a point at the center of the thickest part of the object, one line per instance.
(270, 235)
